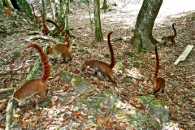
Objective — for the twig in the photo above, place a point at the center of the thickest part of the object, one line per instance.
(174, 83)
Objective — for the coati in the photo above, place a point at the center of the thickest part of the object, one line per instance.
(158, 83)
(8, 10)
(35, 18)
(170, 38)
(104, 68)
(44, 27)
(35, 85)
(63, 49)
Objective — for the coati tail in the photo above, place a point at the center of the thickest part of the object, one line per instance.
(158, 83)
(43, 18)
(8, 10)
(175, 33)
(62, 31)
(33, 9)
(7, 4)
(46, 71)
(44, 27)
(113, 61)
(157, 67)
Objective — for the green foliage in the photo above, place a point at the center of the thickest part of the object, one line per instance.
(127, 79)
(61, 18)
(23, 4)
(55, 70)
(119, 67)
(107, 55)
(95, 102)
(119, 56)
(139, 121)
(44, 103)
(1, 3)
(83, 1)
(14, 24)
(79, 85)
(81, 49)
(133, 55)
(65, 75)
(105, 5)
(15, 55)
(156, 109)
(136, 120)
(3, 63)
(71, 24)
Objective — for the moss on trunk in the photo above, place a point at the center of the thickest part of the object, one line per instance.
(97, 21)
(143, 39)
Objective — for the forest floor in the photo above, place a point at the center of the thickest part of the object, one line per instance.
(16, 62)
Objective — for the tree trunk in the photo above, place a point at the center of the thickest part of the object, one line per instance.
(24, 7)
(44, 9)
(66, 17)
(62, 15)
(143, 39)
(105, 6)
(97, 21)
(52, 5)
(68, 6)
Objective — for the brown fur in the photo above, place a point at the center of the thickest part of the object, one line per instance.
(158, 83)
(8, 10)
(63, 49)
(35, 18)
(35, 85)
(170, 38)
(44, 27)
(104, 68)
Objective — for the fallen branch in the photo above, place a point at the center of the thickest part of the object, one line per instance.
(9, 112)
(43, 38)
(6, 90)
(11, 71)
(174, 83)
